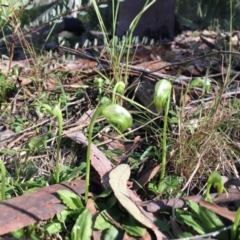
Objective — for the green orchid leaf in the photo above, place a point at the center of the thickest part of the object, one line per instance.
(102, 223)
(113, 233)
(82, 228)
(133, 227)
(72, 200)
(54, 227)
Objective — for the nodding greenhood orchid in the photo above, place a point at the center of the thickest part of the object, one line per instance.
(203, 83)
(56, 111)
(214, 179)
(117, 116)
(162, 93)
(162, 96)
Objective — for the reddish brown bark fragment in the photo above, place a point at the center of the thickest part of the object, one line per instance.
(42, 204)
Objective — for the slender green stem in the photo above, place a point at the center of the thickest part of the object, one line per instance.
(114, 93)
(118, 88)
(3, 187)
(208, 197)
(230, 43)
(57, 174)
(88, 161)
(164, 144)
(234, 229)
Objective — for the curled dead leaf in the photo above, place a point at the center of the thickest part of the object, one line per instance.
(118, 178)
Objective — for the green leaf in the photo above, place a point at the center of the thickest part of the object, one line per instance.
(170, 183)
(133, 227)
(101, 222)
(190, 221)
(18, 233)
(37, 143)
(185, 235)
(69, 173)
(194, 207)
(62, 216)
(210, 220)
(105, 193)
(163, 226)
(201, 219)
(54, 227)
(113, 233)
(111, 201)
(82, 228)
(9, 151)
(235, 227)
(70, 199)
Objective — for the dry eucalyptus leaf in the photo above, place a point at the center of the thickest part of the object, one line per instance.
(118, 178)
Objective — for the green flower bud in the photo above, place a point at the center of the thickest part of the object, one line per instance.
(56, 111)
(162, 92)
(120, 87)
(118, 116)
(105, 100)
(99, 81)
(46, 108)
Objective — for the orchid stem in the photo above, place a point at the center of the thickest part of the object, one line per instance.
(57, 174)
(88, 161)
(164, 144)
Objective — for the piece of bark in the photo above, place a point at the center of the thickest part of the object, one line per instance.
(39, 205)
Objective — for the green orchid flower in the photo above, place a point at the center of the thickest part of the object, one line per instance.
(203, 83)
(215, 180)
(118, 116)
(162, 93)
